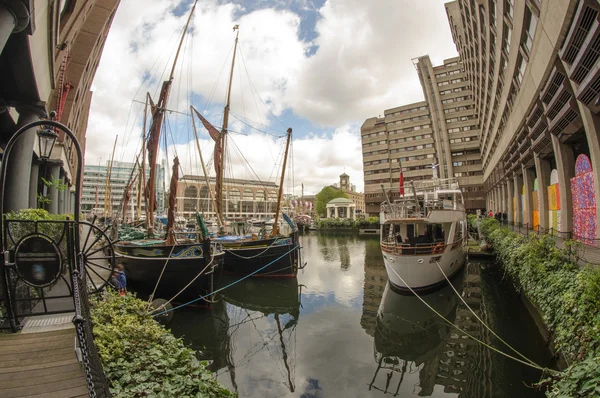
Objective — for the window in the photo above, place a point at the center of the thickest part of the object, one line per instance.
(531, 23)
(506, 38)
(522, 65)
(509, 7)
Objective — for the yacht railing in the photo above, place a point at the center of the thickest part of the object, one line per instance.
(389, 245)
(408, 208)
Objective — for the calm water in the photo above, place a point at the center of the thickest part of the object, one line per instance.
(339, 331)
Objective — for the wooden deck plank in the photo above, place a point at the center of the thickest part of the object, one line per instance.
(21, 356)
(50, 387)
(35, 336)
(81, 391)
(41, 365)
(6, 378)
(33, 346)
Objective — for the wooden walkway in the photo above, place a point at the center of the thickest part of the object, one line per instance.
(41, 365)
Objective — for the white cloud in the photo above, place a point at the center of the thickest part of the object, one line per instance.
(362, 67)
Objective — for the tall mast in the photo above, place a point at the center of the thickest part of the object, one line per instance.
(158, 112)
(280, 195)
(142, 180)
(224, 129)
(107, 189)
(210, 192)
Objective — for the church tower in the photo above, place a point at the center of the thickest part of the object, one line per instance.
(345, 182)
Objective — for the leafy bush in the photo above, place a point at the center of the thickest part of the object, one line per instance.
(141, 358)
(567, 296)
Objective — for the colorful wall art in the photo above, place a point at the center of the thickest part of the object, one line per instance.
(584, 202)
(554, 202)
(535, 204)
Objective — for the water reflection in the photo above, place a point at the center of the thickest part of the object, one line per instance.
(410, 336)
(338, 330)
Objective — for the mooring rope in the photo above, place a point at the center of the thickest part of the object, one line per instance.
(532, 365)
(227, 286)
(480, 320)
(161, 274)
(251, 257)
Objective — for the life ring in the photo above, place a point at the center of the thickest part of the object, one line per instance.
(439, 248)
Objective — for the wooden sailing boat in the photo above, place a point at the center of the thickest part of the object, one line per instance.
(269, 255)
(165, 267)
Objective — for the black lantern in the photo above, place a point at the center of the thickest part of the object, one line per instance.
(46, 139)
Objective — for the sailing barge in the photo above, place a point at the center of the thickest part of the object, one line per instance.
(165, 267)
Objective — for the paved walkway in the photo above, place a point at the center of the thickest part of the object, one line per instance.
(40, 361)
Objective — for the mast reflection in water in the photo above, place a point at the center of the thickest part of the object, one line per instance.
(339, 331)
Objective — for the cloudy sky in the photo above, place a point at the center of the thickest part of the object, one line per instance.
(320, 67)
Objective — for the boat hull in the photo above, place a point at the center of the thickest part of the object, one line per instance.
(274, 257)
(144, 265)
(421, 271)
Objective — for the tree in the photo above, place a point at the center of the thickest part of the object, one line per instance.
(327, 194)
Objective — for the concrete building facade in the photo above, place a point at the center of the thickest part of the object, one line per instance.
(243, 199)
(534, 68)
(49, 53)
(442, 130)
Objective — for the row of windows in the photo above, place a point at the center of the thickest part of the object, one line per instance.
(465, 139)
(452, 72)
(406, 111)
(414, 138)
(468, 174)
(460, 153)
(459, 129)
(410, 120)
(448, 82)
(454, 90)
(460, 119)
(411, 129)
(458, 109)
(457, 99)
(466, 163)
(412, 148)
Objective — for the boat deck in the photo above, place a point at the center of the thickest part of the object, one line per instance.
(40, 361)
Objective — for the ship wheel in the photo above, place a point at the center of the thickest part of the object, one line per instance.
(99, 261)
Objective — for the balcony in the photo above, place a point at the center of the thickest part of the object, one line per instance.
(588, 55)
(540, 127)
(543, 144)
(554, 81)
(589, 90)
(563, 95)
(567, 122)
(584, 19)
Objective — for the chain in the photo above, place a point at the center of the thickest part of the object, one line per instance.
(83, 328)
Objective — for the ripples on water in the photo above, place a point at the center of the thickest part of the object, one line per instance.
(338, 330)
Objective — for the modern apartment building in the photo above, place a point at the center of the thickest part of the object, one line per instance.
(95, 181)
(441, 131)
(535, 75)
(48, 58)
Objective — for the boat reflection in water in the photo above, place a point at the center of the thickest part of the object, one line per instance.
(411, 338)
(252, 323)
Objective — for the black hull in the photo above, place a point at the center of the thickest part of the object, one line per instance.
(144, 264)
(274, 257)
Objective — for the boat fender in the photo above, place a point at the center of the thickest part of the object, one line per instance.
(159, 306)
(439, 248)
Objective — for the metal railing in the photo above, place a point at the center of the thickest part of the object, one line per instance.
(409, 209)
(407, 249)
(94, 374)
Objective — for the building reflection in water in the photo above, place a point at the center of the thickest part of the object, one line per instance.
(409, 337)
(268, 309)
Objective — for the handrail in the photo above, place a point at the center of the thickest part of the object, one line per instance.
(392, 247)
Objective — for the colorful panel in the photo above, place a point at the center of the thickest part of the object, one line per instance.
(557, 196)
(535, 184)
(553, 219)
(535, 200)
(554, 177)
(584, 201)
(552, 203)
(536, 219)
(582, 165)
(558, 223)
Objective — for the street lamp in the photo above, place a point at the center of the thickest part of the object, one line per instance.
(46, 139)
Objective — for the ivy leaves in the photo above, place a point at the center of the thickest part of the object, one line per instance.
(143, 359)
(568, 297)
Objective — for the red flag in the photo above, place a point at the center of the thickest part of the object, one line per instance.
(401, 181)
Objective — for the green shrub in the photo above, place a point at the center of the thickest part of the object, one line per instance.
(141, 358)
(567, 296)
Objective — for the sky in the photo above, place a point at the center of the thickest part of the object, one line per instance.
(321, 67)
